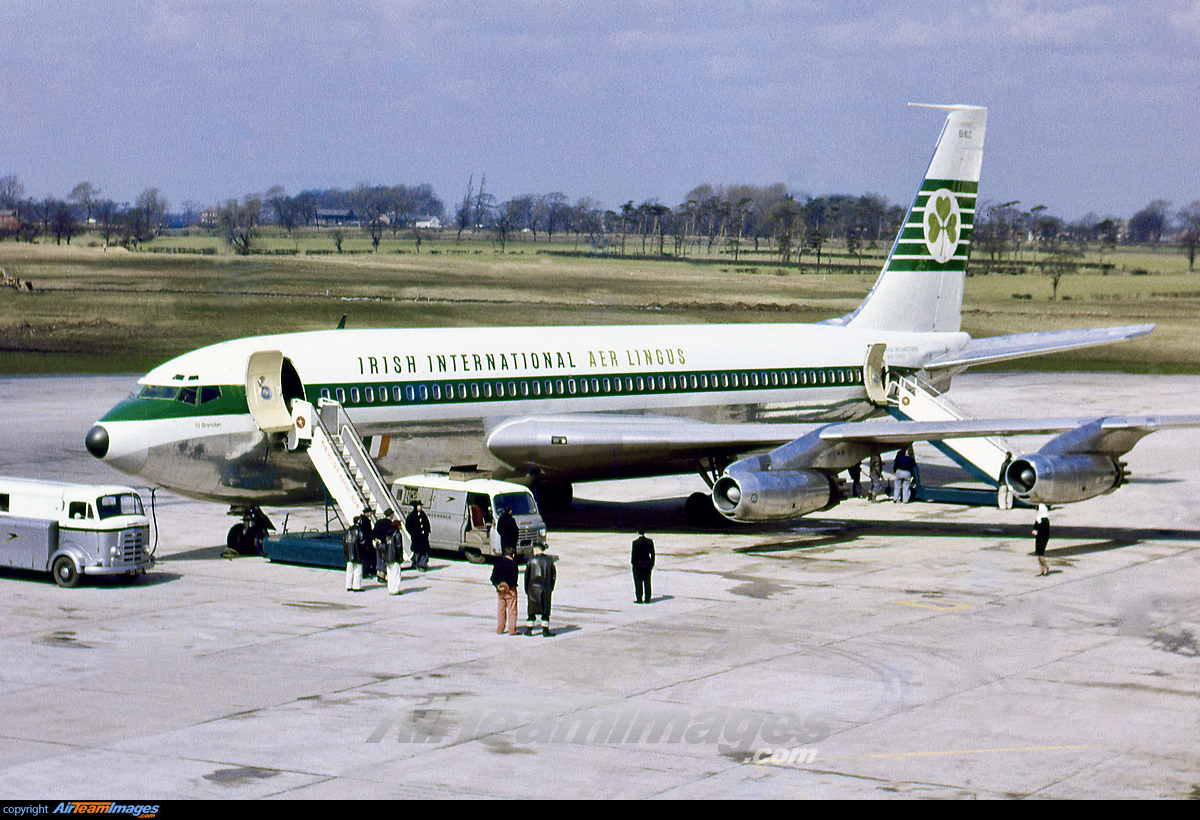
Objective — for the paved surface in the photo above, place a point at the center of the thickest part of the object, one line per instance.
(895, 651)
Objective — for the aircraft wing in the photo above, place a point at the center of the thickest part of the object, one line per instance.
(1082, 461)
(891, 433)
(605, 445)
(1020, 345)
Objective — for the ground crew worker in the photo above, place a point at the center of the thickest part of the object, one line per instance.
(539, 586)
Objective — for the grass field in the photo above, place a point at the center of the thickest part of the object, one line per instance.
(98, 310)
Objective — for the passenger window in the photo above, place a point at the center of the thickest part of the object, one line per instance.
(437, 391)
(487, 390)
(354, 395)
(499, 390)
(525, 388)
(559, 385)
(424, 393)
(410, 392)
(325, 393)
(449, 391)
(475, 390)
(641, 383)
(571, 386)
(537, 388)
(341, 396)
(595, 385)
(607, 386)
(583, 385)
(369, 392)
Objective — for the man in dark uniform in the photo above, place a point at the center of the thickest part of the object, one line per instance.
(363, 522)
(642, 560)
(352, 548)
(384, 528)
(1041, 537)
(417, 526)
(509, 532)
(539, 585)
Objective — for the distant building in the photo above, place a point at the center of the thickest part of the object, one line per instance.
(335, 216)
(430, 222)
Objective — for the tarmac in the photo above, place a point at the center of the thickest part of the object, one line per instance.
(874, 650)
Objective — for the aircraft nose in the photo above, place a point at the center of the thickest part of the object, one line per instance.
(96, 441)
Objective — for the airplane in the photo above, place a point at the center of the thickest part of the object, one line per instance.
(768, 414)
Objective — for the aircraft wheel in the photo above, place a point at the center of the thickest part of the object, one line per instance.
(64, 571)
(234, 540)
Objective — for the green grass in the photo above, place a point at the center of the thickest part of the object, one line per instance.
(96, 310)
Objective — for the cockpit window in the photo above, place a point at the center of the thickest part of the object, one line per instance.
(193, 394)
(158, 391)
(119, 504)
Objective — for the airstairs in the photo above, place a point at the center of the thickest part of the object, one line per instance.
(336, 450)
(983, 457)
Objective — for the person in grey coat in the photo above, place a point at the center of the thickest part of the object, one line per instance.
(539, 586)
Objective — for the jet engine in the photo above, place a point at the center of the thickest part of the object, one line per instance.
(773, 495)
(1062, 479)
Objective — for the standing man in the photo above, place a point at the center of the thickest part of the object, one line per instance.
(391, 553)
(509, 532)
(504, 579)
(905, 467)
(1041, 537)
(876, 470)
(384, 528)
(417, 526)
(352, 547)
(367, 557)
(642, 560)
(539, 584)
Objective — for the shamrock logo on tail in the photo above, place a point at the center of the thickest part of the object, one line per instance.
(942, 225)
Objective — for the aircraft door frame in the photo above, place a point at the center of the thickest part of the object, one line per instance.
(875, 375)
(264, 391)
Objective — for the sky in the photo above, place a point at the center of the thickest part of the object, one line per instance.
(1093, 106)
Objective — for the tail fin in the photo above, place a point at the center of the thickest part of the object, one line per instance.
(921, 286)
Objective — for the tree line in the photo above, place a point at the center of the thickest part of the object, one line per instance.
(725, 218)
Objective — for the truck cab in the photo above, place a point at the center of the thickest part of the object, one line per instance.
(463, 512)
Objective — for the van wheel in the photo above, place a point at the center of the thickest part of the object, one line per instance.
(64, 571)
(474, 556)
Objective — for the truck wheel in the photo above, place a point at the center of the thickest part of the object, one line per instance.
(474, 556)
(64, 572)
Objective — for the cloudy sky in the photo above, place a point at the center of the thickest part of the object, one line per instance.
(1093, 106)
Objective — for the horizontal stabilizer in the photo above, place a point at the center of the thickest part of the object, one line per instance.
(1020, 345)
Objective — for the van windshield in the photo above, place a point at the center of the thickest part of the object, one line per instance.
(121, 504)
(519, 503)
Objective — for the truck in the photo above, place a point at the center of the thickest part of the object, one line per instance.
(462, 512)
(72, 530)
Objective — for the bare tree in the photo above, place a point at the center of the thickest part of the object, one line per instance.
(11, 192)
(1189, 223)
(85, 194)
(238, 222)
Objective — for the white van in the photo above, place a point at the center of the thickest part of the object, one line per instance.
(70, 530)
(462, 512)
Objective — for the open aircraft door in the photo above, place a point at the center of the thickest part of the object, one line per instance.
(264, 391)
(875, 376)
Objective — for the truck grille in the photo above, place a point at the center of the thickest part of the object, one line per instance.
(133, 546)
